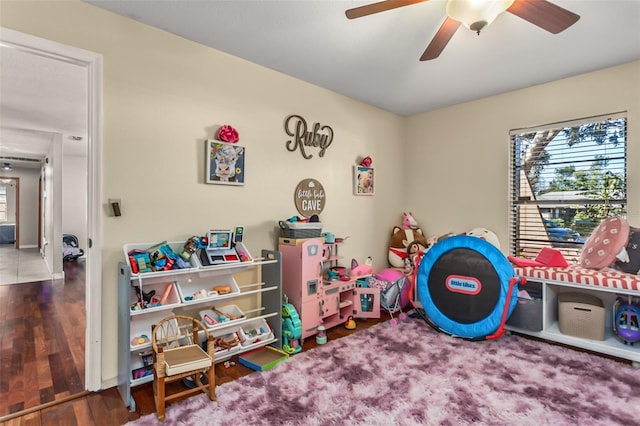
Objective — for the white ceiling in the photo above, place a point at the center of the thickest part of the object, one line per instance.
(375, 59)
(40, 96)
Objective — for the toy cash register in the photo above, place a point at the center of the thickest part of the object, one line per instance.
(220, 247)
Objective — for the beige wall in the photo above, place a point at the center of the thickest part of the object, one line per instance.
(163, 96)
(467, 146)
(74, 196)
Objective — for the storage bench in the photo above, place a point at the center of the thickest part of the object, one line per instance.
(605, 284)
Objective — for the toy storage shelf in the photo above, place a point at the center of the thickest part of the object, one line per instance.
(611, 345)
(177, 288)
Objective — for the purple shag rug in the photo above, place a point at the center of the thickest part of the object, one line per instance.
(412, 375)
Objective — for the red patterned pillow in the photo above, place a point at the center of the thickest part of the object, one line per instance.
(604, 244)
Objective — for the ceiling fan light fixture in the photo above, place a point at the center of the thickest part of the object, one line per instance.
(7, 166)
(476, 14)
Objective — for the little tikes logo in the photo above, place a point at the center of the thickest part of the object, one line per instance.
(462, 284)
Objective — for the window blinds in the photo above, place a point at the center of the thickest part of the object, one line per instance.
(564, 179)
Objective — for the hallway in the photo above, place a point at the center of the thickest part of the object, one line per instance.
(21, 266)
(42, 340)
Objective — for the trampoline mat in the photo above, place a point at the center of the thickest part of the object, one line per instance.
(472, 293)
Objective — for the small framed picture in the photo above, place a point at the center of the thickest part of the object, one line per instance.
(363, 180)
(225, 163)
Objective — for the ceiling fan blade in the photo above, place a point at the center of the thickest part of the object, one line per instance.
(381, 6)
(440, 40)
(546, 15)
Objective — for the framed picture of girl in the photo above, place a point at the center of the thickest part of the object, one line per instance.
(363, 183)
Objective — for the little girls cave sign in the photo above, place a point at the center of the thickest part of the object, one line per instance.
(305, 138)
(309, 197)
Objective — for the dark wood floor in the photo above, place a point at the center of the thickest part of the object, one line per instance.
(104, 408)
(42, 326)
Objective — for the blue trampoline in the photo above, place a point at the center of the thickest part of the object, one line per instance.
(467, 288)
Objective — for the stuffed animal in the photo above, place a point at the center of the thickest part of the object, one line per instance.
(401, 239)
(436, 239)
(408, 222)
(361, 270)
(486, 235)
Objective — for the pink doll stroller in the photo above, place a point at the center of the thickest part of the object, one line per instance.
(394, 292)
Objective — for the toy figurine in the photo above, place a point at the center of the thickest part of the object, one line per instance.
(321, 337)
(350, 324)
(145, 298)
(291, 328)
(190, 247)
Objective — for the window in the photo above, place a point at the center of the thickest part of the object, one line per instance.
(565, 178)
(3, 203)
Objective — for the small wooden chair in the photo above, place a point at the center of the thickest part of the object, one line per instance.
(177, 355)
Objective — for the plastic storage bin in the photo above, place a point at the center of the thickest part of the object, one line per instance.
(226, 343)
(193, 291)
(255, 331)
(176, 247)
(162, 296)
(141, 328)
(300, 229)
(212, 318)
(581, 315)
(527, 314)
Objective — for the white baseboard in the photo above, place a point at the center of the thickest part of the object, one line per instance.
(110, 383)
(29, 246)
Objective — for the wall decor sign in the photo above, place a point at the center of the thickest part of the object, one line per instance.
(318, 136)
(363, 180)
(225, 163)
(309, 197)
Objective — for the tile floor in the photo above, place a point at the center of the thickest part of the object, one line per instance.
(20, 266)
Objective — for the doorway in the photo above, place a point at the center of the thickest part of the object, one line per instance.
(91, 65)
(10, 211)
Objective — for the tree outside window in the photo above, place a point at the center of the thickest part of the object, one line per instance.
(565, 179)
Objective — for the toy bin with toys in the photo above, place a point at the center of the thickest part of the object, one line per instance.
(255, 331)
(227, 343)
(153, 296)
(221, 316)
(141, 327)
(140, 345)
(527, 314)
(193, 291)
(142, 366)
(300, 229)
(158, 257)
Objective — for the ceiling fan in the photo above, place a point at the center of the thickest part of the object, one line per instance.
(477, 14)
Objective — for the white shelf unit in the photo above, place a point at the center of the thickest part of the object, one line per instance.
(134, 323)
(611, 345)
